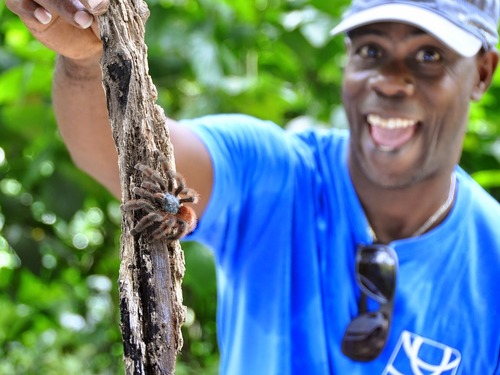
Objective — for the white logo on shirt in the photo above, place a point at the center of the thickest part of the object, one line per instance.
(416, 355)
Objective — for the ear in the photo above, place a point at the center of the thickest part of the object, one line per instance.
(486, 65)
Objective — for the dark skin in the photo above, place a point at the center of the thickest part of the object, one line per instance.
(399, 73)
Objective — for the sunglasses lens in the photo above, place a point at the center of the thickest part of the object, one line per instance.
(365, 336)
(376, 270)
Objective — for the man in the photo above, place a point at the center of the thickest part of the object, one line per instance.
(291, 218)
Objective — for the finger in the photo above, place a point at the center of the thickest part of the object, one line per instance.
(29, 11)
(69, 7)
(42, 15)
(39, 13)
(96, 7)
(47, 24)
(95, 29)
(71, 11)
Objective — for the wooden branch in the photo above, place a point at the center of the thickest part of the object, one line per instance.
(151, 272)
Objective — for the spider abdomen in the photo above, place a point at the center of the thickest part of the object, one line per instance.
(187, 215)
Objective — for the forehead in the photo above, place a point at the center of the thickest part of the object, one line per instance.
(389, 29)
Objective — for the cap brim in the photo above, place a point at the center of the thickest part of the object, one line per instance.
(463, 42)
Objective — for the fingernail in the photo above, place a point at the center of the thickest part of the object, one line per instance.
(83, 19)
(42, 16)
(94, 4)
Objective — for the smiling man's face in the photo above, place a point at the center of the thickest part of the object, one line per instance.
(407, 98)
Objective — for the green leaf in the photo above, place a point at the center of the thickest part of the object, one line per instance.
(487, 179)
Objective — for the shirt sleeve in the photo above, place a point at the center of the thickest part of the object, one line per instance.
(252, 163)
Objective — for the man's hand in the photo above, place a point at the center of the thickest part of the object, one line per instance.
(65, 26)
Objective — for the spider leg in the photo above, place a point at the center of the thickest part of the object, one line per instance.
(137, 204)
(175, 182)
(146, 170)
(151, 186)
(163, 163)
(143, 193)
(188, 195)
(151, 174)
(190, 199)
(164, 166)
(146, 222)
(181, 184)
(181, 230)
(158, 198)
(170, 180)
(164, 229)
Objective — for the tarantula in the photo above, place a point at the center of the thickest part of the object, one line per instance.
(163, 201)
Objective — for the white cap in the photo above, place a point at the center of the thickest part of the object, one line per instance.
(434, 21)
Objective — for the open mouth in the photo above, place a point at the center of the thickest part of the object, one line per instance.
(390, 134)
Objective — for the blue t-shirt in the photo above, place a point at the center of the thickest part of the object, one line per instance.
(284, 223)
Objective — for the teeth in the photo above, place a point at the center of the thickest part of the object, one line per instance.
(390, 123)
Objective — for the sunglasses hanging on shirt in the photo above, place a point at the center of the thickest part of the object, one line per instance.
(376, 270)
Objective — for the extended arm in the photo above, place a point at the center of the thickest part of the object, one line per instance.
(80, 104)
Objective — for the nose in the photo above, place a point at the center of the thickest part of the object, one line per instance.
(393, 81)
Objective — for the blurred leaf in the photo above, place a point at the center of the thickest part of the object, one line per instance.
(488, 179)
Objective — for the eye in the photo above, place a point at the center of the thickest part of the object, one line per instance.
(370, 51)
(428, 56)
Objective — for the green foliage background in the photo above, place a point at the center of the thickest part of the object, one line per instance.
(59, 230)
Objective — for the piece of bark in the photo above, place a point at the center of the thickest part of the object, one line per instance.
(151, 271)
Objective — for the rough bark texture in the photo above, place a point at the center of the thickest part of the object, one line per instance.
(151, 271)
